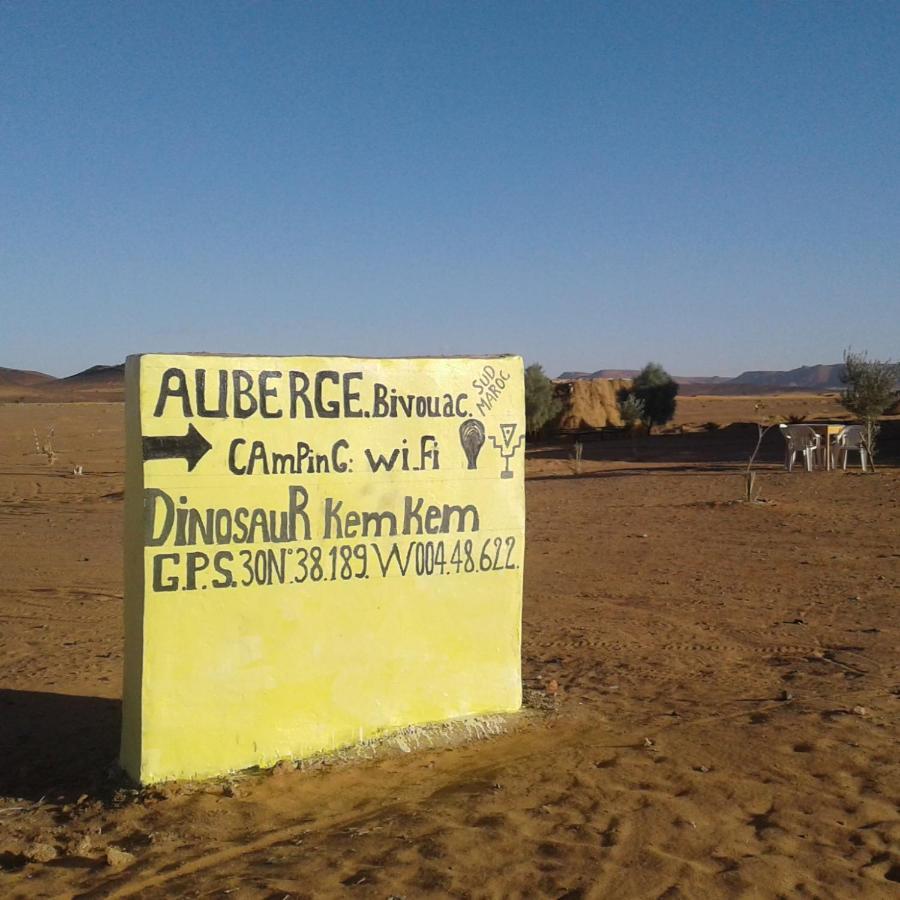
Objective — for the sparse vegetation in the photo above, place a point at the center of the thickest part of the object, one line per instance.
(711, 426)
(631, 409)
(656, 390)
(45, 448)
(577, 452)
(541, 402)
(763, 424)
(871, 389)
(796, 419)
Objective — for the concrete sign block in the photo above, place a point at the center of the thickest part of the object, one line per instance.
(318, 550)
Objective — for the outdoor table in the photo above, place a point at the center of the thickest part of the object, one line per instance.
(827, 431)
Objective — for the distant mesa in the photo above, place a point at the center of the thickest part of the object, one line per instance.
(808, 378)
(819, 377)
(630, 373)
(600, 373)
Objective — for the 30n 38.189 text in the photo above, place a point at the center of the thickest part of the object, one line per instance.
(200, 569)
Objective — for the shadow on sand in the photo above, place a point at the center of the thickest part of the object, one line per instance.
(723, 450)
(56, 745)
(729, 444)
(635, 471)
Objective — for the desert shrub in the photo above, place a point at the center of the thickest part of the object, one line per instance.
(764, 423)
(711, 426)
(871, 389)
(577, 453)
(541, 402)
(45, 447)
(631, 409)
(656, 390)
(796, 419)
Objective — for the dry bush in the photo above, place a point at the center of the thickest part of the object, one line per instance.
(45, 448)
(576, 457)
(764, 424)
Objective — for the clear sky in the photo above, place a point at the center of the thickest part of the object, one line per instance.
(712, 185)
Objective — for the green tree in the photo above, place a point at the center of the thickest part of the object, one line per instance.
(871, 389)
(655, 388)
(541, 402)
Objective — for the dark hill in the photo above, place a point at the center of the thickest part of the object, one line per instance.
(22, 378)
(98, 374)
(96, 384)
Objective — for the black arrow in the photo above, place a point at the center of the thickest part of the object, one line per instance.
(191, 446)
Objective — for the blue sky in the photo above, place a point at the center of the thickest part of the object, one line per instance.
(712, 185)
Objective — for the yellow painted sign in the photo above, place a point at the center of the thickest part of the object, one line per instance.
(318, 550)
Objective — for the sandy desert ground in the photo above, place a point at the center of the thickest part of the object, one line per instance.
(713, 690)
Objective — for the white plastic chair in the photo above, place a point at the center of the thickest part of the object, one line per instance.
(800, 439)
(851, 437)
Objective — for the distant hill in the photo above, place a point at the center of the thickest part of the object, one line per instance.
(97, 375)
(816, 377)
(600, 373)
(96, 384)
(107, 383)
(809, 378)
(630, 373)
(22, 378)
